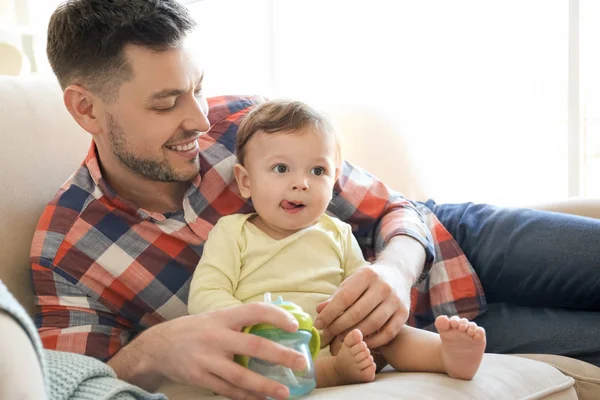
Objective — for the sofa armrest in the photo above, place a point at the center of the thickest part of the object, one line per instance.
(575, 206)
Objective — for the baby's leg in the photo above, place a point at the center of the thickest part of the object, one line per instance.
(457, 350)
(351, 363)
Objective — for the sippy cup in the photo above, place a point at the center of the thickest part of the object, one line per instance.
(305, 340)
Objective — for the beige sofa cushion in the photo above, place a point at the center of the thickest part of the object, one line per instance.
(40, 146)
(587, 376)
(500, 377)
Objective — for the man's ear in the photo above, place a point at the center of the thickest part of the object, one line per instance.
(243, 180)
(84, 107)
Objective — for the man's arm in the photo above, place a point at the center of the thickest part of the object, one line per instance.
(381, 218)
(198, 350)
(82, 308)
(377, 213)
(70, 318)
(384, 291)
(406, 255)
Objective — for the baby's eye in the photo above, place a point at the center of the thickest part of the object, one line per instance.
(280, 168)
(317, 171)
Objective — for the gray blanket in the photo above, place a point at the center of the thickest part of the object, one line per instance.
(69, 375)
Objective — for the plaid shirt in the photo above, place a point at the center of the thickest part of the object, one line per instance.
(104, 269)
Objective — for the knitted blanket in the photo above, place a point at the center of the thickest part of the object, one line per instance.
(69, 375)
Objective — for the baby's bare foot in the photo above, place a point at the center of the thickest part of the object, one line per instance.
(463, 344)
(354, 362)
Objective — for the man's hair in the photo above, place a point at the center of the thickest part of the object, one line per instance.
(279, 116)
(86, 38)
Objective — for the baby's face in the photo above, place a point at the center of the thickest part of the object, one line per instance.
(291, 177)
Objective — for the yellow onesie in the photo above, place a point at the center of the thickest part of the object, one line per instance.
(240, 263)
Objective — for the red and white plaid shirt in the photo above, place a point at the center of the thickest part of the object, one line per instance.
(104, 269)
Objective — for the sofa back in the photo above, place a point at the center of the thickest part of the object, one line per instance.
(40, 146)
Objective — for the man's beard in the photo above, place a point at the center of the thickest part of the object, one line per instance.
(150, 169)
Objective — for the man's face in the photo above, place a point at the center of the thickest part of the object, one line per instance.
(154, 124)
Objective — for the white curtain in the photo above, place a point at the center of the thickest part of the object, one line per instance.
(590, 78)
(478, 88)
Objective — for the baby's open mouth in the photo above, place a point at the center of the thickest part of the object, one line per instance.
(289, 205)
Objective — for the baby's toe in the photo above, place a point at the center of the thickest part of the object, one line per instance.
(472, 328)
(479, 334)
(442, 323)
(463, 325)
(361, 355)
(353, 338)
(366, 363)
(454, 321)
(358, 347)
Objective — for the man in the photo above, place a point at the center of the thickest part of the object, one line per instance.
(115, 249)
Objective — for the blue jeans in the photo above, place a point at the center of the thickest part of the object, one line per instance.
(540, 272)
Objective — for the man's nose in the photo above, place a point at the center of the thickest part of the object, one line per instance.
(196, 118)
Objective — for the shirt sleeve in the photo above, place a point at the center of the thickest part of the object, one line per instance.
(217, 274)
(71, 316)
(69, 319)
(377, 213)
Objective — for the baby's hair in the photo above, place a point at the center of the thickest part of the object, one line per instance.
(278, 116)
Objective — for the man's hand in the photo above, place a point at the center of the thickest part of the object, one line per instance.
(376, 299)
(371, 301)
(198, 350)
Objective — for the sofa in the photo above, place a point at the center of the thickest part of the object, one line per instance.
(41, 145)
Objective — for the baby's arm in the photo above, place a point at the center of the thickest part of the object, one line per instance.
(216, 276)
(353, 254)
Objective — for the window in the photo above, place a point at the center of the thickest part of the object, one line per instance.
(484, 92)
(590, 96)
(478, 88)
(23, 24)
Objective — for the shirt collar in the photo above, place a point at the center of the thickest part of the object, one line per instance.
(128, 206)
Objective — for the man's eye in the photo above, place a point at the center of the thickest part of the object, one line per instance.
(280, 168)
(164, 109)
(317, 171)
(199, 93)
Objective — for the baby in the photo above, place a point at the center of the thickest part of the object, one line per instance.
(289, 159)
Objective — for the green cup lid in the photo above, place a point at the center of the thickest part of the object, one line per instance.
(305, 322)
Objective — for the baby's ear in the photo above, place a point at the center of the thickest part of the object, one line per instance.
(242, 179)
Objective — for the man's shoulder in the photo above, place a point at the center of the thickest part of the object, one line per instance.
(62, 212)
(76, 193)
(225, 115)
(224, 107)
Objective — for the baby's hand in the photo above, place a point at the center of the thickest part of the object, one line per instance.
(326, 336)
(325, 333)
